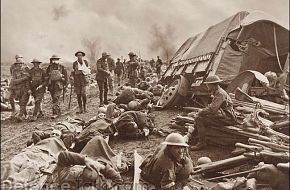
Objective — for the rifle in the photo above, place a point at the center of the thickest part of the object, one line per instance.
(235, 174)
(70, 93)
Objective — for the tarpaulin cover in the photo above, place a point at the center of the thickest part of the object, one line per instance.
(255, 26)
(214, 34)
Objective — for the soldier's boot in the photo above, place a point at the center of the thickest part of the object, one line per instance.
(200, 145)
(80, 104)
(84, 96)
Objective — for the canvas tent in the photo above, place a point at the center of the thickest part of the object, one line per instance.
(245, 41)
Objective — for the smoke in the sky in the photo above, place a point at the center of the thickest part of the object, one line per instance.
(163, 41)
(59, 12)
(39, 28)
(92, 47)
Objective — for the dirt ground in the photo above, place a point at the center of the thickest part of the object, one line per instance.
(15, 135)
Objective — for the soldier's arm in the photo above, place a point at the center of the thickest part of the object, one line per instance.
(67, 158)
(73, 70)
(215, 104)
(22, 79)
(100, 69)
(44, 78)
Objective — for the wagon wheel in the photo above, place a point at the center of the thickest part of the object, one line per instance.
(176, 91)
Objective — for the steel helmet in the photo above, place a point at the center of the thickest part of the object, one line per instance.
(132, 105)
(175, 139)
(18, 56)
(212, 79)
(102, 109)
(203, 160)
(104, 54)
(131, 54)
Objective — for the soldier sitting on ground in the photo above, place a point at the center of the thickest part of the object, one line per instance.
(219, 112)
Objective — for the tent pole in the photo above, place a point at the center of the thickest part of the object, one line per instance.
(276, 48)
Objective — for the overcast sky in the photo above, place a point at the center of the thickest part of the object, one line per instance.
(40, 28)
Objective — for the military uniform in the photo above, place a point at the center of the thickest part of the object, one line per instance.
(38, 87)
(164, 171)
(112, 67)
(80, 83)
(19, 86)
(219, 113)
(119, 71)
(158, 66)
(102, 79)
(57, 82)
(72, 166)
(133, 67)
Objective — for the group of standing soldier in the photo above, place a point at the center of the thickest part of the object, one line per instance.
(34, 81)
(26, 82)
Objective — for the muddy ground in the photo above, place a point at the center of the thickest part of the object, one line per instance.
(15, 135)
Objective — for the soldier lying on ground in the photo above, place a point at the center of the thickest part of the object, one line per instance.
(128, 94)
(93, 167)
(130, 124)
(170, 165)
(26, 167)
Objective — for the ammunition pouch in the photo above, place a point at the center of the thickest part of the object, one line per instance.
(55, 75)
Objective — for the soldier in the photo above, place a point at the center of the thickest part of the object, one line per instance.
(38, 87)
(57, 83)
(152, 63)
(102, 78)
(169, 167)
(119, 71)
(112, 67)
(79, 77)
(220, 112)
(133, 67)
(158, 66)
(19, 86)
(125, 75)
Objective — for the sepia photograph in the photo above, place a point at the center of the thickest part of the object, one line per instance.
(144, 95)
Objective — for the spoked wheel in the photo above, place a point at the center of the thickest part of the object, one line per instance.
(173, 95)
